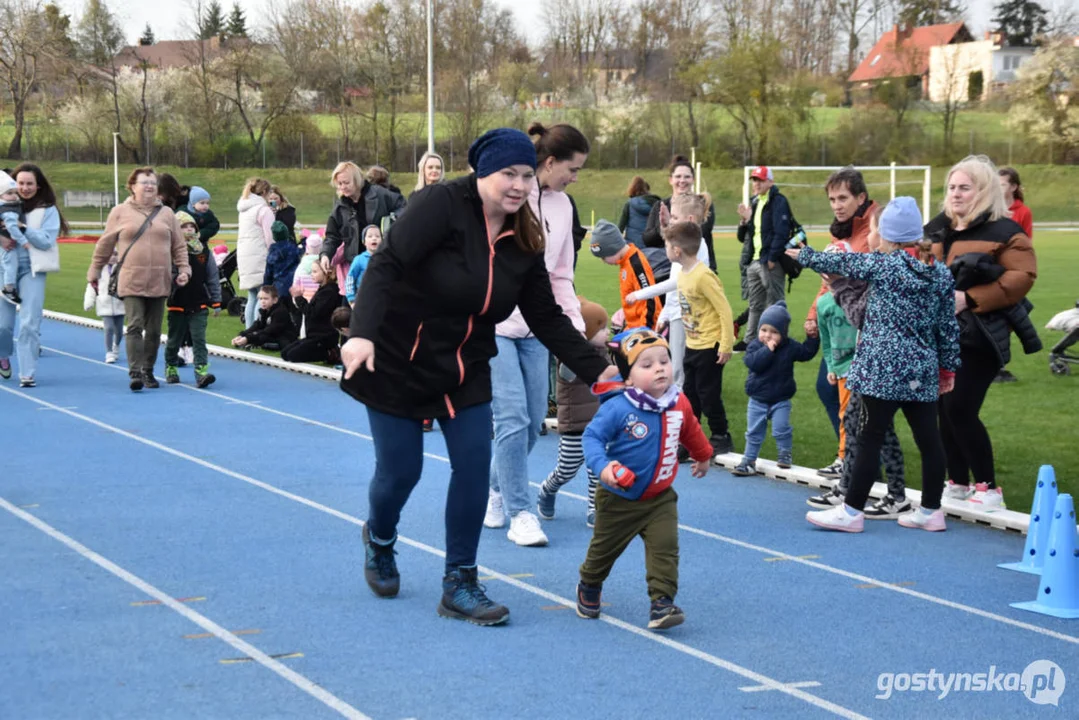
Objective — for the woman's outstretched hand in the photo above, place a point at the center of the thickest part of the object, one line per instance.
(355, 353)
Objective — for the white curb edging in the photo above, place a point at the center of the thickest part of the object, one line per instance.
(1001, 520)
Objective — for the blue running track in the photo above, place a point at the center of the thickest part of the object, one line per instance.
(196, 554)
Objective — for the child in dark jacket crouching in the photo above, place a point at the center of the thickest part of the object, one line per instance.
(770, 386)
(632, 445)
(274, 329)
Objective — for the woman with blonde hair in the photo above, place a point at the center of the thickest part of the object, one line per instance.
(359, 203)
(253, 240)
(431, 170)
(975, 220)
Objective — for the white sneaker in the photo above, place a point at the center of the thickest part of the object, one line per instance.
(525, 530)
(496, 514)
(918, 520)
(834, 471)
(986, 499)
(111, 357)
(837, 519)
(955, 491)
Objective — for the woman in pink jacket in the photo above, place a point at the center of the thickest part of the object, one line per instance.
(519, 373)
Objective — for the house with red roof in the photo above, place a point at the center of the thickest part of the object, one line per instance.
(903, 54)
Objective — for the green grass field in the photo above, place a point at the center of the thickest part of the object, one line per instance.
(598, 193)
(1031, 421)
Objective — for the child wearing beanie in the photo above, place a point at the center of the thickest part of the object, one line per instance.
(632, 446)
(282, 259)
(638, 269)
(372, 238)
(906, 358)
(198, 206)
(576, 408)
(189, 306)
(770, 386)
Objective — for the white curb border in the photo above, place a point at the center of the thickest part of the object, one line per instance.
(1001, 520)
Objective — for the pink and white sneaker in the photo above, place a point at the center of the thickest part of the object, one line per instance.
(986, 499)
(837, 519)
(918, 520)
(955, 491)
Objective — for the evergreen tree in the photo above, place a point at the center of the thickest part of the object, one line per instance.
(916, 13)
(147, 36)
(213, 24)
(237, 26)
(1021, 21)
(98, 35)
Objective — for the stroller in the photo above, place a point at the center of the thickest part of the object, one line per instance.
(233, 304)
(1060, 362)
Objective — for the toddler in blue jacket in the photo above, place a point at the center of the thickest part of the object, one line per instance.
(770, 386)
(632, 446)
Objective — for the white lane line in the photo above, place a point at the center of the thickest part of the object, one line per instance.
(719, 662)
(249, 650)
(69, 407)
(764, 688)
(775, 554)
(779, 555)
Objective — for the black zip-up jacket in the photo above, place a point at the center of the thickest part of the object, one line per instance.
(992, 330)
(348, 218)
(318, 313)
(431, 297)
(652, 237)
(775, 229)
(272, 326)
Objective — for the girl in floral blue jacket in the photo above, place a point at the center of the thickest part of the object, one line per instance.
(906, 357)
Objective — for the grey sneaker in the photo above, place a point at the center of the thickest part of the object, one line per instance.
(745, 468)
(888, 508)
(545, 504)
(784, 459)
(828, 500)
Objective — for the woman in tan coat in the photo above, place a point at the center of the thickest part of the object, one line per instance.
(147, 271)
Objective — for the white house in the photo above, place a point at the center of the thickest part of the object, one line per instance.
(980, 68)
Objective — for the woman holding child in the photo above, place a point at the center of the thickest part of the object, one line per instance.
(452, 269)
(37, 255)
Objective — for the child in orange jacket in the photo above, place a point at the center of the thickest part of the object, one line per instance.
(636, 273)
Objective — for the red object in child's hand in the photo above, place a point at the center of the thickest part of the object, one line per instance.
(623, 476)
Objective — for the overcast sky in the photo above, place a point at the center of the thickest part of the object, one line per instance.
(168, 18)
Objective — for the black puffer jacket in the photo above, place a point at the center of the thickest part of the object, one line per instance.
(349, 217)
(431, 297)
(992, 330)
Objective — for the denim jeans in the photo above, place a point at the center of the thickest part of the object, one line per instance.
(519, 401)
(32, 290)
(399, 463)
(114, 331)
(829, 396)
(757, 416)
(251, 310)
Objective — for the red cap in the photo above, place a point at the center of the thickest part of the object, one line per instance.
(761, 173)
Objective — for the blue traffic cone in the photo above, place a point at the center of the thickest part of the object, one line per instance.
(1041, 513)
(1058, 592)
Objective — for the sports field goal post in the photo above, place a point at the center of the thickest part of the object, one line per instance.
(892, 182)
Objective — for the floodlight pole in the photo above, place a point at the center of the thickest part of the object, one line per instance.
(430, 77)
(115, 170)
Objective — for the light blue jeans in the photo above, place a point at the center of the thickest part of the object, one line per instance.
(251, 310)
(519, 400)
(757, 416)
(9, 261)
(32, 290)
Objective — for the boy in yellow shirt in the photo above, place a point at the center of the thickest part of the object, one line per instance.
(709, 329)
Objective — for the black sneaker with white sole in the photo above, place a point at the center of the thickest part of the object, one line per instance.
(888, 508)
(826, 501)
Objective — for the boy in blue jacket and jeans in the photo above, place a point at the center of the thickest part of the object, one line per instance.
(631, 445)
(770, 386)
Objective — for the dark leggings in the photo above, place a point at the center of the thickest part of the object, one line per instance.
(829, 396)
(399, 463)
(966, 441)
(316, 349)
(873, 423)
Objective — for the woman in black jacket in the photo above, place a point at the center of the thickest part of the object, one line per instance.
(445, 275)
(681, 180)
(319, 343)
(282, 210)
